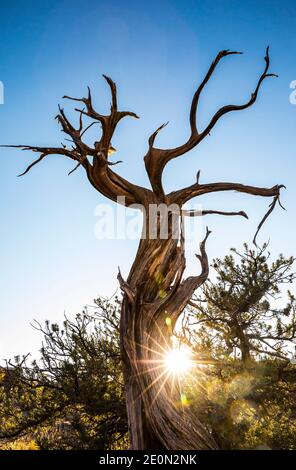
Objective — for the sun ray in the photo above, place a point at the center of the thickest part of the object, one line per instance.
(166, 362)
(162, 335)
(152, 369)
(150, 349)
(161, 387)
(153, 382)
(161, 347)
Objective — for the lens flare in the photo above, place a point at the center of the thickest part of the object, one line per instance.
(169, 361)
(178, 361)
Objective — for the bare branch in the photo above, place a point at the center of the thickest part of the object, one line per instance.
(250, 102)
(183, 195)
(88, 103)
(45, 151)
(176, 303)
(113, 92)
(156, 159)
(114, 163)
(153, 136)
(271, 208)
(98, 172)
(197, 94)
(43, 155)
(74, 169)
(125, 286)
(88, 127)
(197, 213)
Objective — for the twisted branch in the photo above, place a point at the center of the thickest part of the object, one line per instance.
(156, 159)
(97, 168)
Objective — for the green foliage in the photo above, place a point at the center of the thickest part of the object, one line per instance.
(238, 313)
(72, 398)
(247, 407)
(243, 386)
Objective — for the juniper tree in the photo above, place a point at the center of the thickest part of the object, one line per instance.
(240, 313)
(155, 287)
(72, 397)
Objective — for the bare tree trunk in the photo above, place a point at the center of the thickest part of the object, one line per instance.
(245, 349)
(238, 332)
(140, 432)
(157, 419)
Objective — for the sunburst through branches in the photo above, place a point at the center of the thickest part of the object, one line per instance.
(170, 362)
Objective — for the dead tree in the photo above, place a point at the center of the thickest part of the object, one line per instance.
(155, 288)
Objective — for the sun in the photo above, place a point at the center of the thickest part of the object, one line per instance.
(170, 364)
(178, 361)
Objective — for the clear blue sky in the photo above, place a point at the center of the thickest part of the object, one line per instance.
(157, 52)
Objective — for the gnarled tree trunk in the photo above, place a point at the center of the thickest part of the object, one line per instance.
(153, 294)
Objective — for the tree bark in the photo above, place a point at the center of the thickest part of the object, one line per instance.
(152, 294)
